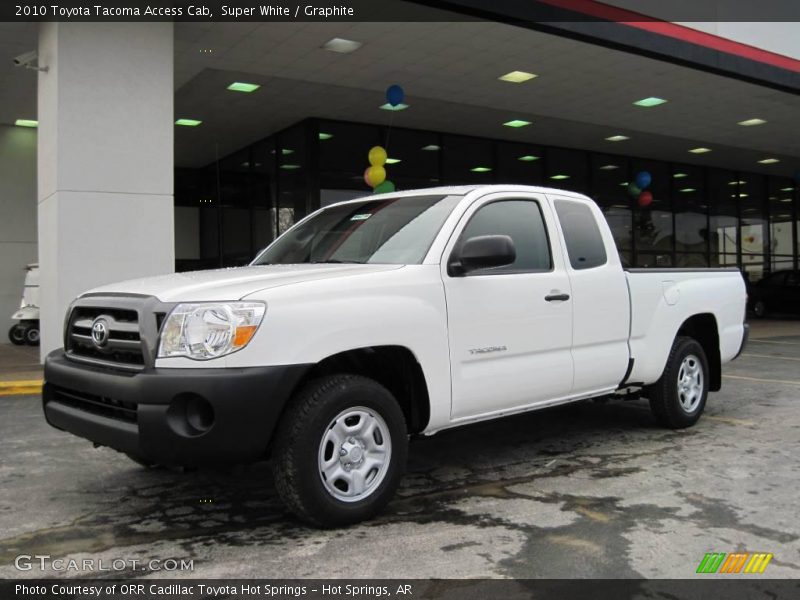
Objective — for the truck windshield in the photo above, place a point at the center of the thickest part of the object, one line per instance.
(388, 231)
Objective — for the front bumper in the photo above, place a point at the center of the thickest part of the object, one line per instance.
(170, 416)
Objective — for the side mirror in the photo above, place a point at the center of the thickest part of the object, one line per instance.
(482, 252)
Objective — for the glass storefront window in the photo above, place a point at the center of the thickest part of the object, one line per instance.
(609, 177)
(567, 170)
(723, 228)
(652, 226)
(296, 177)
(780, 201)
(751, 193)
(412, 162)
(519, 163)
(690, 204)
(343, 153)
(467, 160)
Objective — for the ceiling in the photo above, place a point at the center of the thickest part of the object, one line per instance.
(583, 93)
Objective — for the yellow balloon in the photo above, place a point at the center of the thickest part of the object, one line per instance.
(376, 175)
(377, 156)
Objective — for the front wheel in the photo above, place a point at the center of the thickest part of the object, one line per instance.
(340, 450)
(678, 398)
(17, 335)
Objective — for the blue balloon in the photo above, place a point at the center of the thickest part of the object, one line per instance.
(395, 95)
(643, 179)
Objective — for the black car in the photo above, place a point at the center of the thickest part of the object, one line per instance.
(778, 292)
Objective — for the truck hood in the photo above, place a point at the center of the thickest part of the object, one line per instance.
(234, 283)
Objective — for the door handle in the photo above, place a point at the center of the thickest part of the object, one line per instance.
(556, 297)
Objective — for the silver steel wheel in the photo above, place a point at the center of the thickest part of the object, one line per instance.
(690, 383)
(354, 454)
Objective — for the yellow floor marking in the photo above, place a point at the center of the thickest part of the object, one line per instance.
(771, 356)
(789, 382)
(19, 388)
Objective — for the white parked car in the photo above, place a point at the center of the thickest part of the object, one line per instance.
(380, 318)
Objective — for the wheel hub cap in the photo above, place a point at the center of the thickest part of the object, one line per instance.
(690, 383)
(354, 454)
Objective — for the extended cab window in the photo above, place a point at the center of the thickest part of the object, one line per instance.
(522, 221)
(582, 236)
(387, 231)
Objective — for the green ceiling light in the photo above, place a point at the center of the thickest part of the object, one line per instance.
(617, 138)
(26, 123)
(768, 161)
(700, 150)
(786, 199)
(240, 86)
(528, 158)
(388, 106)
(289, 167)
(517, 76)
(650, 101)
(751, 122)
(393, 161)
(284, 151)
(431, 148)
(559, 176)
(687, 190)
(737, 182)
(480, 169)
(608, 167)
(188, 122)
(325, 136)
(516, 123)
(787, 189)
(679, 175)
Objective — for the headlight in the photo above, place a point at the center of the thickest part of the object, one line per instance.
(205, 331)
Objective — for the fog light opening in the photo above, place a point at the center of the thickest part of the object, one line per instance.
(190, 415)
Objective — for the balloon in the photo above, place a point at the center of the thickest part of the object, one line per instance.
(377, 156)
(643, 179)
(374, 175)
(384, 188)
(633, 189)
(645, 198)
(395, 95)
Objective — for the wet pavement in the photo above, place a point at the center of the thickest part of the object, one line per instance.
(587, 490)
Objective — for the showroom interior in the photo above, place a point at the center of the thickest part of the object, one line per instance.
(234, 131)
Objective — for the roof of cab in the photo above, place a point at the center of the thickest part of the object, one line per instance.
(463, 190)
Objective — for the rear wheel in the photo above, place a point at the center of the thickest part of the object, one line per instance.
(678, 398)
(17, 335)
(760, 309)
(340, 450)
(32, 336)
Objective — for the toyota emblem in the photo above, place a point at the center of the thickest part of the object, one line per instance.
(100, 332)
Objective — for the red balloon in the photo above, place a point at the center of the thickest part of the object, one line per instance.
(645, 198)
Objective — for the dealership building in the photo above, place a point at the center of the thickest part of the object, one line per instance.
(135, 149)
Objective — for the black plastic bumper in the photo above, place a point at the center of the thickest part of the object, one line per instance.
(170, 416)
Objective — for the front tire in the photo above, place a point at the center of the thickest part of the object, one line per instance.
(17, 335)
(340, 450)
(678, 398)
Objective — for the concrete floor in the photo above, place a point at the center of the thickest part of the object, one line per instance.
(589, 490)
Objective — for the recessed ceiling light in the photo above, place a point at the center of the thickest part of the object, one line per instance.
(617, 138)
(290, 167)
(284, 151)
(700, 150)
(480, 169)
(787, 189)
(768, 161)
(516, 123)
(431, 148)
(608, 167)
(388, 106)
(786, 199)
(751, 122)
(679, 175)
(619, 206)
(393, 161)
(341, 45)
(742, 195)
(26, 123)
(739, 182)
(624, 183)
(240, 86)
(688, 190)
(559, 176)
(188, 122)
(517, 76)
(650, 101)
(528, 158)
(325, 136)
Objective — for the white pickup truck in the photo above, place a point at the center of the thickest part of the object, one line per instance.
(380, 318)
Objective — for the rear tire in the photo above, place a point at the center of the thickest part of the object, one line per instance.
(678, 398)
(760, 309)
(32, 336)
(17, 335)
(340, 450)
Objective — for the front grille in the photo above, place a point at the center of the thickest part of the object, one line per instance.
(123, 348)
(97, 405)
